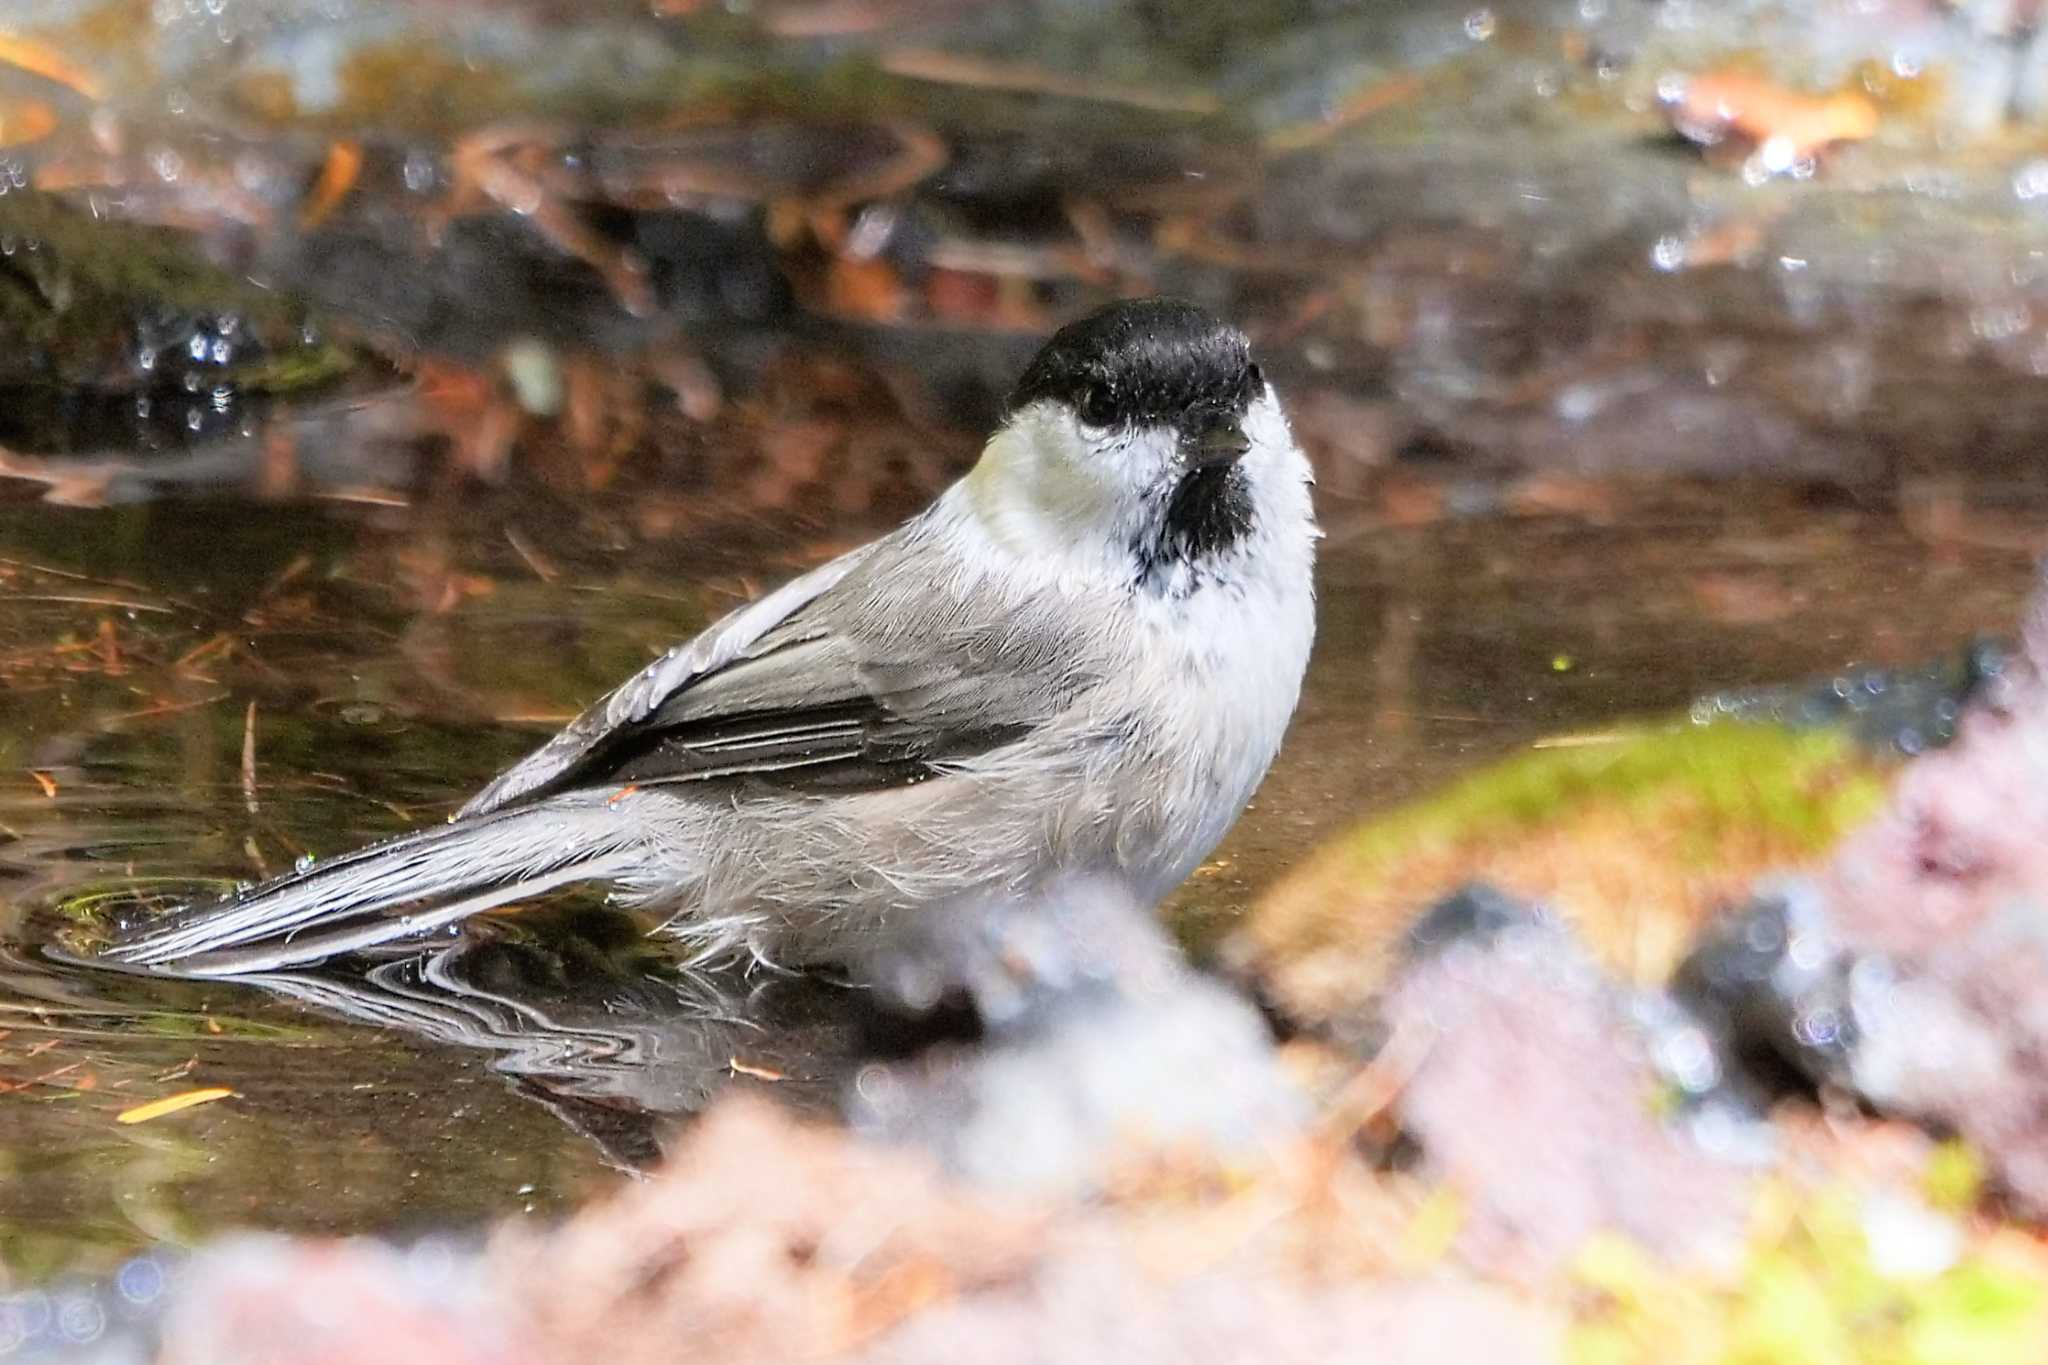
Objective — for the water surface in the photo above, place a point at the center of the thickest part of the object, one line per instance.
(201, 693)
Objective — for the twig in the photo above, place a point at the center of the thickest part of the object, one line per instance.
(546, 572)
(950, 68)
(166, 709)
(122, 603)
(249, 758)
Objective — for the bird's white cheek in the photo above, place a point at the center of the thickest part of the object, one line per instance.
(1035, 493)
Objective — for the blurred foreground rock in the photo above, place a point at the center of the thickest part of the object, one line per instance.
(1097, 1034)
(1912, 970)
(1535, 1092)
(766, 1240)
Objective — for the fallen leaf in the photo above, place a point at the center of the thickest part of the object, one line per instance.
(171, 1104)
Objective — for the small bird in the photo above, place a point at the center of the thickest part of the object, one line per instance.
(1080, 658)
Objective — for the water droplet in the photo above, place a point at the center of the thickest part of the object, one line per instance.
(1819, 1028)
(1777, 154)
(1578, 403)
(523, 199)
(141, 1280)
(80, 1318)
(420, 173)
(1481, 25)
(303, 862)
(1687, 1057)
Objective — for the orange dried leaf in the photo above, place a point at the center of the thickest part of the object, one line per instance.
(337, 177)
(40, 59)
(171, 1104)
(1714, 104)
(24, 121)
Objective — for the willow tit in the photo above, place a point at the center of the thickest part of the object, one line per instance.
(1080, 658)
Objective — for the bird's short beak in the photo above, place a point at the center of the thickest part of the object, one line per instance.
(1219, 444)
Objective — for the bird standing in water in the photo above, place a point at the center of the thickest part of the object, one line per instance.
(1081, 657)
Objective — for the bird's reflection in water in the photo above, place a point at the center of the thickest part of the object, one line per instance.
(617, 1041)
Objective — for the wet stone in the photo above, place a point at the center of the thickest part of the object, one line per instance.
(1906, 709)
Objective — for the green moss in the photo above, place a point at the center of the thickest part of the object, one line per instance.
(207, 1027)
(1637, 837)
(100, 306)
(1807, 1293)
(93, 903)
(1954, 1178)
(1803, 788)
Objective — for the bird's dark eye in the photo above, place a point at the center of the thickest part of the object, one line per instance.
(1257, 378)
(1098, 406)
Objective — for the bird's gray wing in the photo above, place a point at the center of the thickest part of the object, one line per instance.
(845, 685)
(639, 695)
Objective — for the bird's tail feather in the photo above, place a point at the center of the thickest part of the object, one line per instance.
(409, 885)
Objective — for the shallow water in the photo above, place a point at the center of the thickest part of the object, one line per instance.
(202, 693)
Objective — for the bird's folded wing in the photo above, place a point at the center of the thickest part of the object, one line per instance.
(828, 696)
(630, 703)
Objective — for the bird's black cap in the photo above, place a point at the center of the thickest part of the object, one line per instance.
(1145, 362)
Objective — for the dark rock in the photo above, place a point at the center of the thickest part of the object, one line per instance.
(1478, 914)
(1908, 709)
(1772, 981)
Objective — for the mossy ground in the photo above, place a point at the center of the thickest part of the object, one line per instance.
(1635, 836)
(1811, 1291)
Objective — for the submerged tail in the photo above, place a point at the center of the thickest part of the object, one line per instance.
(409, 885)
